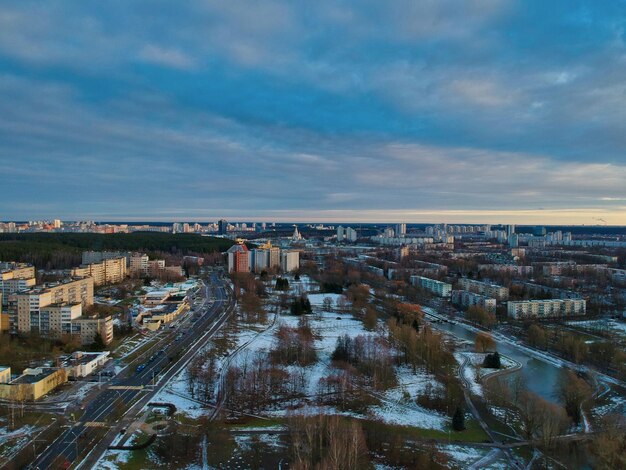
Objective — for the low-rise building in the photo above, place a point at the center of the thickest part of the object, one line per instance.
(33, 384)
(552, 308)
(82, 364)
(467, 299)
(156, 297)
(439, 288)
(163, 314)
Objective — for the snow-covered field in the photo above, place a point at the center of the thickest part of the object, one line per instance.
(613, 326)
(397, 404)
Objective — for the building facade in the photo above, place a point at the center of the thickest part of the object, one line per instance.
(439, 288)
(108, 271)
(289, 261)
(31, 310)
(494, 291)
(467, 299)
(552, 308)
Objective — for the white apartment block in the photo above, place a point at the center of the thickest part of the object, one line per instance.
(552, 308)
(489, 290)
(289, 261)
(439, 288)
(467, 299)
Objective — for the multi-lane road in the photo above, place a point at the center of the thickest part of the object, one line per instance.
(107, 414)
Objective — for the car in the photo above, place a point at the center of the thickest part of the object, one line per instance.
(141, 367)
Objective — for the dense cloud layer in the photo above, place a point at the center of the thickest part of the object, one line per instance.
(431, 110)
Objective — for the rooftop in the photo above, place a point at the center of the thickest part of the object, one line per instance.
(31, 376)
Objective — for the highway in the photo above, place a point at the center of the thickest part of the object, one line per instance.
(126, 395)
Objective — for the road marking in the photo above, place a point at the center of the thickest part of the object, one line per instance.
(95, 424)
(126, 387)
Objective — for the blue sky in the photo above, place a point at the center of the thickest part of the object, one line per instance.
(430, 110)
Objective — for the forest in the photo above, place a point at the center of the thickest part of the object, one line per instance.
(63, 250)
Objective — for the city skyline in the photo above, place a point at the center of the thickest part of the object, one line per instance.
(488, 111)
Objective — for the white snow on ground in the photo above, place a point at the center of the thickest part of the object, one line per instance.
(408, 415)
(246, 441)
(303, 286)
(80, 394)
(476, 359)
(191, 408)
(610, 325)
(469, 371)
(317, 300)
(113, 459)
(413, 384)
(5, 435)
(395, 407)
(462, 456)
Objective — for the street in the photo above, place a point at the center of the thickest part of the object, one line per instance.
(125, 396)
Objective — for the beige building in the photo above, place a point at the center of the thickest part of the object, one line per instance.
(15, 277)
(89, 326)
(493, 291)
(4, 318)
(28, 305)
(139, 264)
(161, 315)
(108, 271)
(16, 271)
(5, 375)
(32, 384)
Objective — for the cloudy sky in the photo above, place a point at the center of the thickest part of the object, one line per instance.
(368, 110)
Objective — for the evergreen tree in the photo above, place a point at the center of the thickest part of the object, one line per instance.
(98, 343)
(458, 420)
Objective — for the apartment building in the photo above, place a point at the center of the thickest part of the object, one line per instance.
(138, 265)
(554, 292)
(289, 261)
(238, 259)
(553, 308)
(15, 277)
(26, 306)
(439, 288)
(512, 269)
(467, 299)
(108, 271)
(494, 291)
(88, 326)
(90, 257)
(10, 270)
(4, 318)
